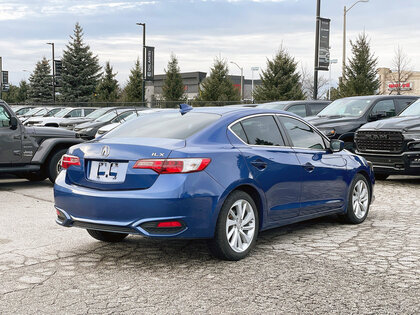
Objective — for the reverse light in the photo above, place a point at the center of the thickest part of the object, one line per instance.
(173, 166)
(68, 160)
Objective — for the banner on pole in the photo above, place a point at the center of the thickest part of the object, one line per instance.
(150, 63)
(323, 61)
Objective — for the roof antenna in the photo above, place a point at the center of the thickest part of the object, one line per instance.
(184, 108)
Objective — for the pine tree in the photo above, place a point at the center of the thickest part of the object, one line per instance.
(40, 83)
(22, 94)
(81, 70)
(173, 87)
(133, 90)
(281, 80)
(360, 76)
(217, 87)
(107, 89)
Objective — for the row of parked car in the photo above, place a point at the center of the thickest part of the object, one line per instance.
(358, 121)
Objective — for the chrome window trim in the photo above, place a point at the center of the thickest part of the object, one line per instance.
(256, 145)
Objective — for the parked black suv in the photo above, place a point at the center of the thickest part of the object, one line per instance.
(392, 145)
(31, 152)
(344, 116)
(300, 108)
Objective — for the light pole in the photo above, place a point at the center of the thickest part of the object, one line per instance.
(242, 79)
(252, 81)
(144, 63)
(329, 78)
(344, 34)
(318, 15)
(53, 70)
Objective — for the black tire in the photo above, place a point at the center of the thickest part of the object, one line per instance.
(219, 245)
(109, 237)
(351, 217)
(381, 176)
(35, 176)
(52, 164)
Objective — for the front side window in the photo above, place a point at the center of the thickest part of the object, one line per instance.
(385, 108)
(262, 130)
(301, 134)
(4, 117)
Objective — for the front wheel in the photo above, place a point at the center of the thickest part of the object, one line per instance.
(359, 201)
(236, 229)
(109, 237)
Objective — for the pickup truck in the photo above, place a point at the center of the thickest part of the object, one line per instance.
(33, 153)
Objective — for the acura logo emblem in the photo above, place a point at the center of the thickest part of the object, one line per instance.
(105, 151)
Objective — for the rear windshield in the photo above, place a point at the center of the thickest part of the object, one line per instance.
(164, 125)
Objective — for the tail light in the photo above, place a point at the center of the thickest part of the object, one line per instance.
(69, 160)
(173, 166)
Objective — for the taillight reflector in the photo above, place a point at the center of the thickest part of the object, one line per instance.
(68, 160)
(169, 224)
(172, 166)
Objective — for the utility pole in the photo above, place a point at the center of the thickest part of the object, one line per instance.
(53, 70)
(318, 15)
(143, 88)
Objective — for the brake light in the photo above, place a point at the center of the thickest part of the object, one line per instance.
(69, 160)
(173, 166)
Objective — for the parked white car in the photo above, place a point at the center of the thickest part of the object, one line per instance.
(69, 112)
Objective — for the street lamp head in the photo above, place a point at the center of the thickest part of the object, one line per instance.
(142, 24)
(50, 43)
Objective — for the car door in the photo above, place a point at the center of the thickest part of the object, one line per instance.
(10, 140)
(322, 172)
(273, 165)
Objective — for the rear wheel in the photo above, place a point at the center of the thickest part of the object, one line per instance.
(358, 201)
(110, 237)
(381, 176)
(54, 164)
(236, 229)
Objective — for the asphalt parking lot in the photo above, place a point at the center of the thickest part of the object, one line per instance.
(320, 266)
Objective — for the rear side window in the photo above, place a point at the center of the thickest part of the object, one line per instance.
(316, 108)
(402, 103)
(301, 134)
(385, 108)
(299, 110)
(164, 125)
(262, 130)
(89, 110)
(76, 113)
(239, 131)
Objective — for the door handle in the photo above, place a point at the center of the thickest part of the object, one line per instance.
(309, 167)
(18, 137)
(259, 164)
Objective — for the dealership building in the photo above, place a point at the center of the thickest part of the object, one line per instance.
(410, 82)
(192, 82)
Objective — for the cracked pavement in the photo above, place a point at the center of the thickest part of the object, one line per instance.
(319, 266)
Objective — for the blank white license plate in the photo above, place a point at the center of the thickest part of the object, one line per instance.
(107, 172)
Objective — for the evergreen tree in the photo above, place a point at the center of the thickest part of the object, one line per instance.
(40, 83)
(173, 87)
(80, 73)
(22, 94)
(133, 90)
(217, 87)
(107, 89)
(281, 80)
(360, 76)
(16, 94)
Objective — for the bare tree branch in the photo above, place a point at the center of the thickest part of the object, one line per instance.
(401, 71)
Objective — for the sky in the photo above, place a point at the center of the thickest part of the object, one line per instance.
(197, 31)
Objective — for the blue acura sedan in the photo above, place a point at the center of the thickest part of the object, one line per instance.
(223, 174)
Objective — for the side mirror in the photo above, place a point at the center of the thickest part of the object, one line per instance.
(13, 123)
(336, 145)
(67, 116)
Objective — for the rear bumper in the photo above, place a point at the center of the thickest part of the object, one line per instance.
(190, 198)
(406, 163)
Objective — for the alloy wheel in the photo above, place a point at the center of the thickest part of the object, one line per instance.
(240, 226)
(360, 199)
